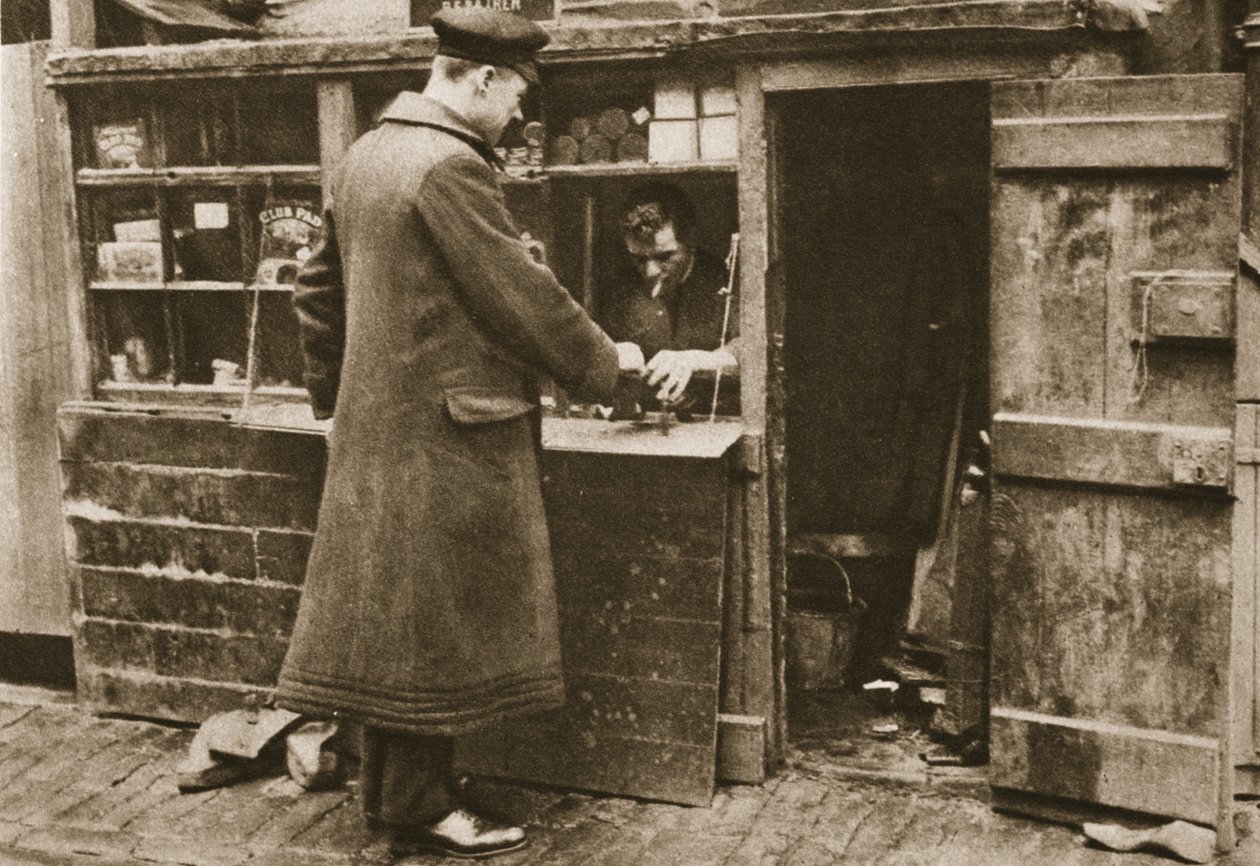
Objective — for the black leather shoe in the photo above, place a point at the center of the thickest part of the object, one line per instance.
(460, 834)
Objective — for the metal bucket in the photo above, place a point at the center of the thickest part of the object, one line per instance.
(820, 643)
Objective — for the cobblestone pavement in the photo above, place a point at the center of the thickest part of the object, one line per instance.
(86, 791)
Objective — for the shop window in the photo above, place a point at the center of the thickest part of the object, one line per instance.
(197, 202)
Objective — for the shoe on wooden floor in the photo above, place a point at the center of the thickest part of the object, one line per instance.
(460, 834)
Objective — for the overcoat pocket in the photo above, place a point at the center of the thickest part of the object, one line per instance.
(482, 404)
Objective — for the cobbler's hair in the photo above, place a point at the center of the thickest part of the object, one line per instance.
(655, 205)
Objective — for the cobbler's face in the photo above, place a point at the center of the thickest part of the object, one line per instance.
(662, 261)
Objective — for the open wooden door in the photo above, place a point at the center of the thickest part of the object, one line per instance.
(1115, 219)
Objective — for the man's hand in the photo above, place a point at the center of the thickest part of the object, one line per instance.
(672, 371)
(630, 358)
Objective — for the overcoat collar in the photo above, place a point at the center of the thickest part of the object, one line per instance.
(420, 110)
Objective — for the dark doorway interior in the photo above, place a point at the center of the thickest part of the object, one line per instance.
(883, 227)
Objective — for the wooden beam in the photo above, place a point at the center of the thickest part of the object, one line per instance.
(1203, 141)
(1176, 774)
(70, 266)
(73, 24)
(935, 65)
(579, 42)
(1113, 453)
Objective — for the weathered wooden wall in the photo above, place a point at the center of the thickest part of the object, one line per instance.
(638, 544)
(187, 539)
(35, 368)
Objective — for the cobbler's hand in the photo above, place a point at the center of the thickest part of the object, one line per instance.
(672, 371)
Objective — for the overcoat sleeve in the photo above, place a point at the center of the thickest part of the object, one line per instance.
(505, 288)
(319, 298)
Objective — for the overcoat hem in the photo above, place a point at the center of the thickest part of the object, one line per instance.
(422, 713)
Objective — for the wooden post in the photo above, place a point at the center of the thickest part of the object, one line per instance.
(338, 123)
(67, 259)
(760, 671)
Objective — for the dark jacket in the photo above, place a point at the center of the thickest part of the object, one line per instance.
(429, 602)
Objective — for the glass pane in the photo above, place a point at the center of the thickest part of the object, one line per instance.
(285, 224)
(198, 128)
(213, 328)
(279, 352)
(117, 134)
(206, 224)
(279, 128)
(134, 333)
(126, 237)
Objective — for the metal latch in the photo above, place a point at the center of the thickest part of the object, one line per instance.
(1201, 462)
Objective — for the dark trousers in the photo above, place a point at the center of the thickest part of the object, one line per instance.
(405, 779)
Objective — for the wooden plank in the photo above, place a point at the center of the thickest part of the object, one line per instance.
(671, 772)
(967, 667)
(699, 440)
(177, 437)
(1247, 353)
(180, 653)
(1115, 765)
(754, 229)
(933, 65)
(69, 267)
(338, 122)
(1117, 453)
(35, 371)
(644, 586)
(1203, 141)
(1243, 627)
(20, 198)
(632, 169)
(640, 39)
(1045, 341)
(757, 669)
(209, 175)
(1159, 95)
(73, 24)
(1091, 593)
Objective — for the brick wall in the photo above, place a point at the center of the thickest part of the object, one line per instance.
(187, 537)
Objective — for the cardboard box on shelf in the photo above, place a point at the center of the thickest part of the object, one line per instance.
(674, 99)
(717, 100)
(719, 137)
(129, 262)
(673, 141)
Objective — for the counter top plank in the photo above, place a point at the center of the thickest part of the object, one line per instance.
(695, 439)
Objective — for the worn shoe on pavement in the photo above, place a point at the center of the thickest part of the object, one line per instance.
(460, 834)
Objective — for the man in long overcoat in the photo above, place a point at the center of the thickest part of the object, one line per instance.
(429, 603)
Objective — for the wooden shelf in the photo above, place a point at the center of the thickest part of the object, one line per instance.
(186, 286)
(636, 169)
(161, 393)
(210, 175)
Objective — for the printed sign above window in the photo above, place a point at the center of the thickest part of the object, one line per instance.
(422, 11)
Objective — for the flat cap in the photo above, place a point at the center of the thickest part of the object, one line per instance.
(492, 36)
